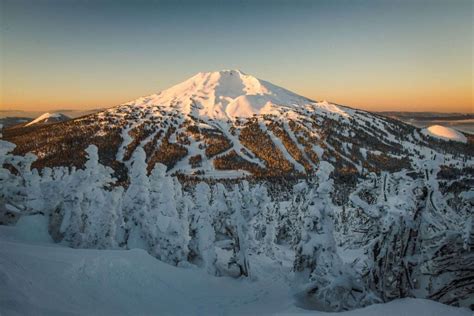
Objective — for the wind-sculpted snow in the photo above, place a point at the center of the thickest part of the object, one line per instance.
(40, 278)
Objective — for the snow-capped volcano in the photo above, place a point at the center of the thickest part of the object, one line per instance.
(225, 94)
(230, 124)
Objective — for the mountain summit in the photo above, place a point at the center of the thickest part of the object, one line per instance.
(225, 94)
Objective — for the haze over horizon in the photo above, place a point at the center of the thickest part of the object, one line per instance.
(374, 55)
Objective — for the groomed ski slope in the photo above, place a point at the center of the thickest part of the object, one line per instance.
(42, 278)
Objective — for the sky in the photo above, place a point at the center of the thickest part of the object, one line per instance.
(376, 55)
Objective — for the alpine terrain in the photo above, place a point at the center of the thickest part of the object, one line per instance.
(245, 179)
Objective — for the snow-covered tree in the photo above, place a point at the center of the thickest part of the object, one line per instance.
(90, 208)
(100, 202)
(262, 221)
(136, 205)
(167, 230)
(240, 233)
(12, 189)
(202, 232)
(328, 283)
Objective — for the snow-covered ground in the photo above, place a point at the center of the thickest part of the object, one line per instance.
(227, 95)
(38, 277)
(445, 133)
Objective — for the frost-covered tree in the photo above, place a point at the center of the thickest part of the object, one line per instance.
(136, 205)
(231, 231)
(412, 241)
(239, 232)
(167, 230)
(34, 198)
(90, 208)
(202, 232)
(328, 283)
(12, 191)
(21, 185)
(100, 203)
(221, 210)
(287, 227)
(262, 221)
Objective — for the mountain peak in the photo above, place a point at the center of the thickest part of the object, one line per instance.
(229, 72)
(224, 94)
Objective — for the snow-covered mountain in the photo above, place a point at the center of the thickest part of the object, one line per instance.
(237, 176)
(229, 124)
(224, 95)
(48, 118)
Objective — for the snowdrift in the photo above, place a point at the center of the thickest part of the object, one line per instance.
(41, 278)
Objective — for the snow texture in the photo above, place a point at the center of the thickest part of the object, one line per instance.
(41, 278)
(444, 133)
(228, 94)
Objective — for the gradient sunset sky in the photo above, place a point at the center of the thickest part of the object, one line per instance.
(376, 55)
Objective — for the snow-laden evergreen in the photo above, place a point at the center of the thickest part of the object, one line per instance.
(171, 244)
(328, 282)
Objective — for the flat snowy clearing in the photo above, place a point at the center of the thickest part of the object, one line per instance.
(41, 278)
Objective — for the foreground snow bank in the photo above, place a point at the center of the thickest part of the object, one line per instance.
(444, 133)
(41, 278)
(400, 307)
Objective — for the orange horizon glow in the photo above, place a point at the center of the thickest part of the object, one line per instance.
(457, 99)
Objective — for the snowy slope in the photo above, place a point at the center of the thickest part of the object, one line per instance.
(225, 103)
(40, 278)
(444, 133)
(225, 94)
(222, 123)
(48, 118)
